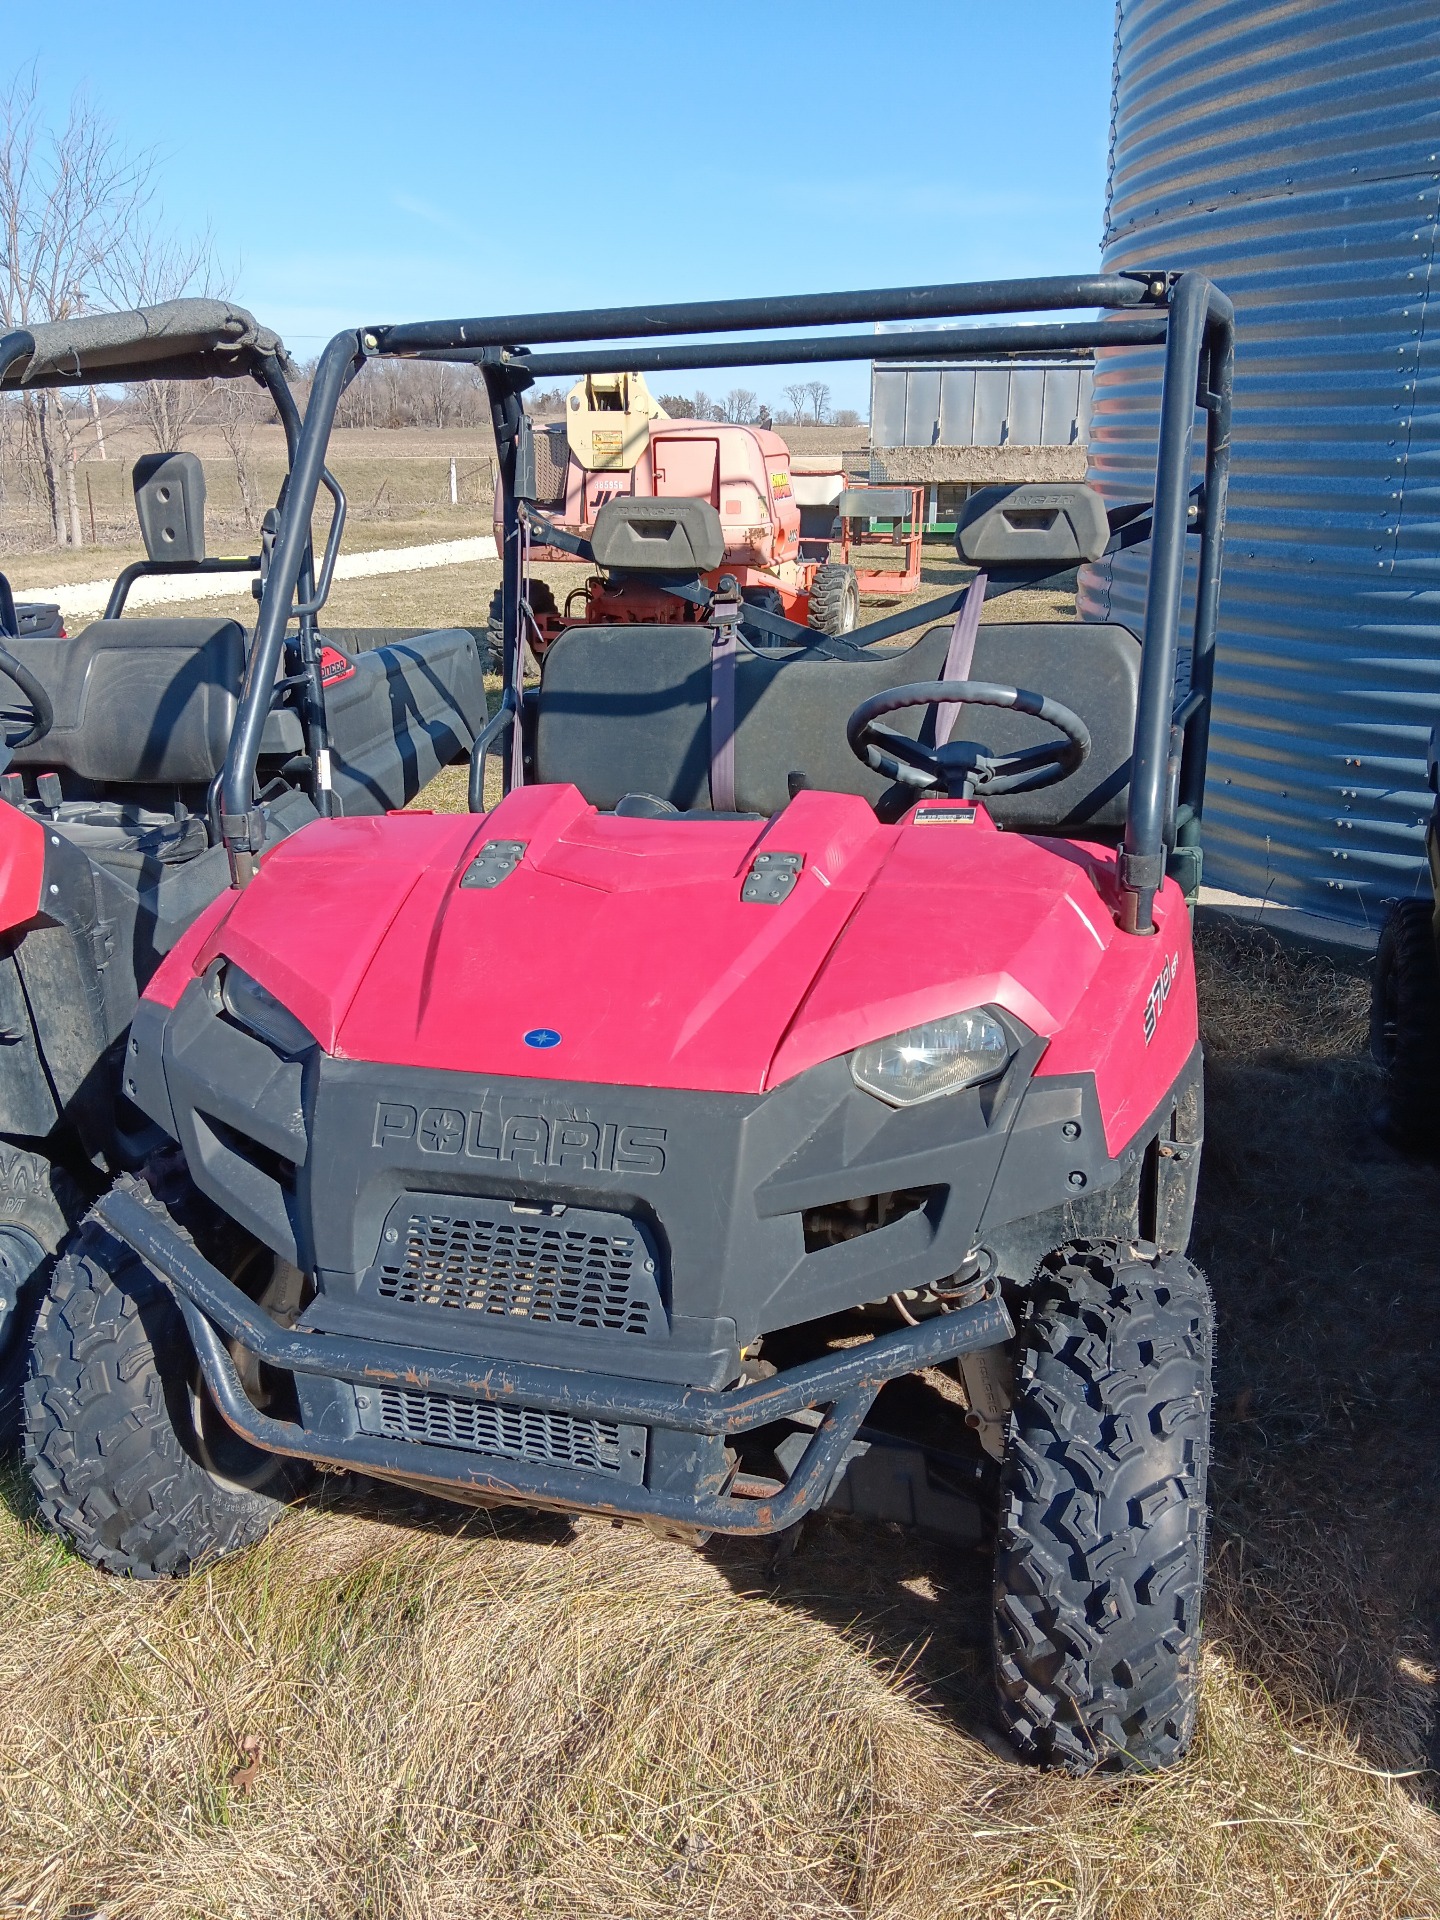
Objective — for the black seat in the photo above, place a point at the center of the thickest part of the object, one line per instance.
(625, 710)
(1090, 666)
(140, 701)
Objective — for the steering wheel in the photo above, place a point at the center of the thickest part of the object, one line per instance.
(38, 700)
(963, 768)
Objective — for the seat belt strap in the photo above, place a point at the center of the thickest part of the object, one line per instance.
(959, 654)
(725, 612)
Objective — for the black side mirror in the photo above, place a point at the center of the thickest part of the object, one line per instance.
(170, 505)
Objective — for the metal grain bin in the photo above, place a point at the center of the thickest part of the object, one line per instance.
(1292, 151)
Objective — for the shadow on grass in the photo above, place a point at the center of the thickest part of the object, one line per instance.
(1323, 1249)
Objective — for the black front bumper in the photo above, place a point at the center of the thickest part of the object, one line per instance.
(687, 1475)
(543, 1291)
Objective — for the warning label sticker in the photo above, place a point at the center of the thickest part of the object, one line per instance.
(334, 666)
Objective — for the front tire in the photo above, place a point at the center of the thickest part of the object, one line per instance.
(1100, 1552)
(834, 600)
(119, 1435)
(1405, 1025)
(39, 1202)
(769, 600)
(543, 605)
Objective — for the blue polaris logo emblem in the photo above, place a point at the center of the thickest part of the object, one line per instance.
(542, 1037)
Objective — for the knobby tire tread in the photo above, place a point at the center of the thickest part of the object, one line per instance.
(830, 590)
(105, 1423)
(43, 1200)
(1100, 1546)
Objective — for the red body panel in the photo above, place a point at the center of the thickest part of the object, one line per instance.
(1134, 1056)
(22, 866)
(178, 968)
(628, 937)
(308, 926)
(651, 969)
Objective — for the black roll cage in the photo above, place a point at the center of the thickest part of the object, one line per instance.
(1183, 312)
(262, 359)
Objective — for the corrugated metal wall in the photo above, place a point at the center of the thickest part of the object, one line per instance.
(1032, 403)
(1292, 151)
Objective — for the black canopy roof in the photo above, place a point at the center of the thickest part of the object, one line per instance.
(178, 340)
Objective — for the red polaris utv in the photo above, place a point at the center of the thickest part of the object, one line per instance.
(112, 740)
(775, 1037)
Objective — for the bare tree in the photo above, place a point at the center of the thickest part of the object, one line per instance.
(149, 266)
(677, 406)
(545, 401)
(798, 396)
(817, 396)
(239, 407)
(741, 406)
(73, 199)
(410, 393)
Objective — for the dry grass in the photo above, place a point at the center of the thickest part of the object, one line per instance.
(391, 479)
(397, 481)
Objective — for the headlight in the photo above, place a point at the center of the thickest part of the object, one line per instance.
(935, 1058)
(256, 1009)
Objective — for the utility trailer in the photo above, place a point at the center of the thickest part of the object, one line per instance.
(805, 1017)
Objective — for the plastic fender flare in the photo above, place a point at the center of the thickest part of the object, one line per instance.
(22, 866)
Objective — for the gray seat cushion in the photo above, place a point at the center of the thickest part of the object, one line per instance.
(138, 701)
(625, 710)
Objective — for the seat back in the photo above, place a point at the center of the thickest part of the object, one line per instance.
(1093, 667)
(627, 710)
(141, 701)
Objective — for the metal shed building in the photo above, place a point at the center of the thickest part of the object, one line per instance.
(1292, 151)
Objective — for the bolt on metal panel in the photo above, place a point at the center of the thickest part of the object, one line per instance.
(1027, 407)
(1293, 153)
(957, 408)
(985, 404)
(922, 407)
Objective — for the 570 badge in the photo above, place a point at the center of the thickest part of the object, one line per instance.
(599, 1146)
(1159, 994)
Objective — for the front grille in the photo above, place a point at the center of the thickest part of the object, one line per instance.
(572, 1267)
(505, 1432)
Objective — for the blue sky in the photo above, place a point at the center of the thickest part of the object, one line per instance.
(438, 158)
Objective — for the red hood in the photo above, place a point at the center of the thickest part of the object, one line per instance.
(629, 938)
(22, 866)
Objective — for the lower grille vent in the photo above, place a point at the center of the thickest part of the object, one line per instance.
(505, 1432)
(573, 1267)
